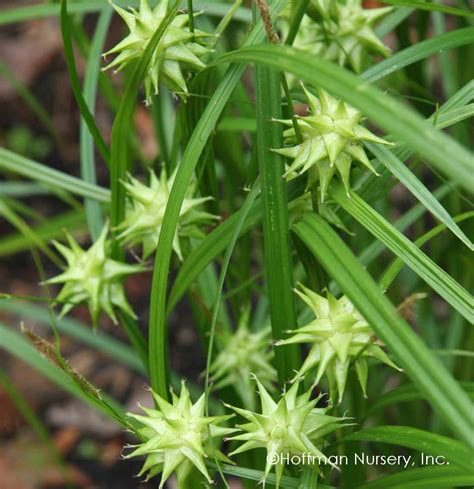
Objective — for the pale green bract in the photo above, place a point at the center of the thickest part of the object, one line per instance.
(177, 437)
(341, 32)
(339, 335)
(331, 141)
(244, 353)
(291, 426)
(92, 277)
(144, 217)
(177, 47)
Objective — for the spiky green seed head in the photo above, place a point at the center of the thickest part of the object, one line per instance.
(177, 48)
(245, 353)
(339, 335)
(342, 32)
(177, 437)
(93, 278)
(291, 426)
(332, 137)
(146, 210)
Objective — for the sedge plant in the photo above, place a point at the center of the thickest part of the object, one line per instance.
(308, 203)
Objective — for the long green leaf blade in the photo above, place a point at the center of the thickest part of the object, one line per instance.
(418, 189)
(455, 452)
(194, 148)
(419, 51)
(412, 256)
(36, 171)
(431, 6)
(424, 478)
(396, 266)
(432, 378)
(76, 86)
(388, 113)
(410, 392)
(277, 256)
(15, 344)
(94, 215)
(122, 128)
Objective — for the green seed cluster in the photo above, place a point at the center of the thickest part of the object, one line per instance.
(331, 140)
(339, 336)
(146, 210)
(177, 48)
(178, 436)
(93, 278)
(342, 32)
(242, 355)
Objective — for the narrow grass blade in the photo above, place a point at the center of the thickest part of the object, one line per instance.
(73, 328)
(22, 189)
(45, 231)
(410, 392)
(397, 265)
(453, 116)
(461, 98)
(258, 475)
(94, 215)
(369, 186)
(423, 478)
(20, 14)
(277, 256)
(194, 148)
(409, 217)
(36, 171)
(15, 344)
(21, 225)
(76, 86)
(430, 6)
(99, 341)
(391, 115)
(419, 51)
(418, 189)
(424, 368)
(209, 248)
(123, 127)
(394, 19)
(450, 290)
(455, 452)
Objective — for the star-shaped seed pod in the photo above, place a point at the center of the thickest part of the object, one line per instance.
(178, 46)
(92, 277)
(339, 336)
(245, 353)
(342, 32)
(331, 141)
(177, 436)
(291, 426)
(146, 210)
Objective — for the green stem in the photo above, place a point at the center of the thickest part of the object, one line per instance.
(278, 264)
